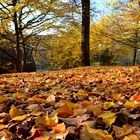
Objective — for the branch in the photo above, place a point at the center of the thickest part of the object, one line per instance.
(6, 37)
(6, 52)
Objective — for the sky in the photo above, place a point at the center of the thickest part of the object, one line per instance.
(101, 7)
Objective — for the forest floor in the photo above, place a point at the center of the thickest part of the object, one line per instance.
(87, 103)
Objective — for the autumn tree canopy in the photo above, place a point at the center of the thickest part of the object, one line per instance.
(26, 18)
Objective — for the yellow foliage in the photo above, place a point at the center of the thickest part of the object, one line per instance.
(18, 7)
(65, 48)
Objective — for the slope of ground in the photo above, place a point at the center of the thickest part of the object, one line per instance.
(91, 103)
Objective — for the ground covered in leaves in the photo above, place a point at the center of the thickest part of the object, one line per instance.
(92, 103)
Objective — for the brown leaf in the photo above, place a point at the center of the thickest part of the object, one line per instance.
(75, 121)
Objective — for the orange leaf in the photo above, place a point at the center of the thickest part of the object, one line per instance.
(59, 128)
(131, 137)
(135, 98)
(64, 112)
(44, 137)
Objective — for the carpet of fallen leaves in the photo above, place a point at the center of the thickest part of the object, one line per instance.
(92, 103)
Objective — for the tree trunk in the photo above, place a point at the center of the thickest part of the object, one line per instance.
(18, 52)
(134, 56)
(85, 44)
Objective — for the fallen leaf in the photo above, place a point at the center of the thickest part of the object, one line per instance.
(95, 109)
(14, 112)
(7, 135)
(107, 105)
(3, 98)
(4, 117)
(75, 121)
(80, 111)
(44, 137)
(125, 130)
(137, 85)
(64, 111)
(2, 126)
(135, 98)
(59, 128)
(34, 107)
(20, 118)
(81, 94)
(87, 133)
(116, 96)
(108, 117)
(130, 104)
(131, 137)
(50, 98)
(51, 120)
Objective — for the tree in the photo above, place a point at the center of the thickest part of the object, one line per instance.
(63, 50)
(17, 38)
(85, 45)
(132, 9)
(104, 50)
(26, 18)
(85, 31)
(122, 25)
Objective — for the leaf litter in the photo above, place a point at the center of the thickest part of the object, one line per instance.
(90, 103)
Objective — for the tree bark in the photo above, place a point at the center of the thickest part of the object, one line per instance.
(85, 44)
(134, 56)
(135, 49)
(18, 52)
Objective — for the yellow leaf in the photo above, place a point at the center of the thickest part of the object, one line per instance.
(21, 118)
(14, 112)
(19, 95)
(3, 99)
(87, 133)
(81, 94)
(102, 135)
(130, 104)
(137, 85)
(47, 120)
(107, 105)
(52, 120)
(108, 117)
